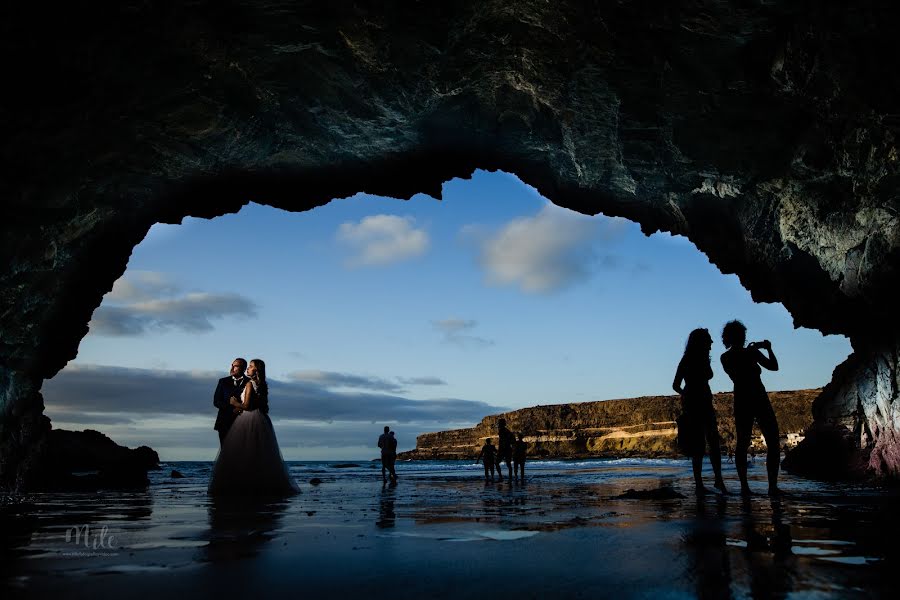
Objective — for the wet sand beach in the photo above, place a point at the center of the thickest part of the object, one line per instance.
(443, 532)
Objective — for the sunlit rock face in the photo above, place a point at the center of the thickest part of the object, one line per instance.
(634, 427)
(765, 132)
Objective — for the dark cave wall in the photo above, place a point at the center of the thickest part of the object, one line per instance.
(765, 132)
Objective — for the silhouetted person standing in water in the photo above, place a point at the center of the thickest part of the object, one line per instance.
(520, 449)
(697, 406)
(388, 444)
(504, 449)
(488, 455)
(393, 446)
(751, 400)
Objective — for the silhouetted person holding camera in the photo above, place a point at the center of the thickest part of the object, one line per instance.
(520, 449)
(698, 426)
(488, 456)
(751, 402)
(504, 449)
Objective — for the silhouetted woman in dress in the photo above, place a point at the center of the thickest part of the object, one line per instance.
(697, 406)
(751, 401)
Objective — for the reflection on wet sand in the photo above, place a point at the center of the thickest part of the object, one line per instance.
(20, 522)
(79, 526)
(386, 514)
(770, 563)
(349, 533)
(708, 564)
(60, 512)
(240, 527)
(756, 545)
(756, 556)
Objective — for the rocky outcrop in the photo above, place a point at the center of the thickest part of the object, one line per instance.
(857, 420)
(765, 132)
(89, 460)
(636, 427)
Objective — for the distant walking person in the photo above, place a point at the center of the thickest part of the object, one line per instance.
(504, 449)
(488, 456)
(751, 400)
(698, 426)
(388, 444)
(393, 446)
(520, 449)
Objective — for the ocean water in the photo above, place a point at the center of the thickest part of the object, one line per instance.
(564, 529)
(577, 471)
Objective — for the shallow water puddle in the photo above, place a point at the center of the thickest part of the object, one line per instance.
(851, 560)
(469, 536)
(505, 536)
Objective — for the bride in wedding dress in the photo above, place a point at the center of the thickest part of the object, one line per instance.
(249, 461)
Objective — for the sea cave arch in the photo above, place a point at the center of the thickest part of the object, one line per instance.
(760, 132)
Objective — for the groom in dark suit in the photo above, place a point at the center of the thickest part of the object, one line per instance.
(229, 386)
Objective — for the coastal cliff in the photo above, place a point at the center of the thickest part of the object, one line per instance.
(639, 427)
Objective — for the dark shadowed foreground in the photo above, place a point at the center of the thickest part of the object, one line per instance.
(443, 532)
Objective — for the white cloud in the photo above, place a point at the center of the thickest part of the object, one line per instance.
(145, 300)
(426, 380)
(454, 325)
(383, 239)
(333, 380)
(456, 330)
(141, 285)
(544, 253)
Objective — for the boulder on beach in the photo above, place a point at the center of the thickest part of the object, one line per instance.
(828, 453)
(89, 460)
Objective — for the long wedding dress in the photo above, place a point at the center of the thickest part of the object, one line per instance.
(249, 462)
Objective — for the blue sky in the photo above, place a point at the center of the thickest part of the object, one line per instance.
(438, 312)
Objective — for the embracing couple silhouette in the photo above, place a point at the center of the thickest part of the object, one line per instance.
(249, 460)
